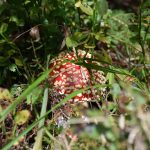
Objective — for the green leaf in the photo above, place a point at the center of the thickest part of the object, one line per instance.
(18, 22)
(112, 106)
(10, 52)
(2, 8)
(3, 28)
(110, 136)
(78, 4)
(13, 67)
(86, 9)
(34, 95)
(146, 3)
(5, 95)
(101, 7)
(103, 58)
(110, 77)
(89, 46)
(22, 117)
(78, 36)
(3, 61)
(116, 90)
(18, 62)
(70, 42)
(27, 2)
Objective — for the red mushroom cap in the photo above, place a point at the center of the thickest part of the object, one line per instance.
(68, 77)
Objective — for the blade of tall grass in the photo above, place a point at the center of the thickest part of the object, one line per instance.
(38, 139)
(11, 107)
(105, 69)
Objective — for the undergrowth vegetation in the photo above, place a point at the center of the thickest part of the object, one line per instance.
(32, 33)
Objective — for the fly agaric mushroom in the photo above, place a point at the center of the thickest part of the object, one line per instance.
(68, 77)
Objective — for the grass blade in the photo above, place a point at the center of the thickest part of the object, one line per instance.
(11, 107)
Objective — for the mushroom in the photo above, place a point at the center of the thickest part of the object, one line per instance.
(67, 77)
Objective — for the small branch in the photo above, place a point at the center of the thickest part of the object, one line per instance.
(24, 33)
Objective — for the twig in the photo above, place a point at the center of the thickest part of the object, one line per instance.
(24, 33)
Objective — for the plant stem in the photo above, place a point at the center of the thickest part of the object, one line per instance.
(141, 42)
(140, 38)
(39, 137)
(38, 140)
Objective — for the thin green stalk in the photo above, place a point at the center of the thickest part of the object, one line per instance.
(147, 29)
(52, 137)
(39, 137)
(78, 15)
(35, 55)
(11, 107)
(141, 42)
(140, 38)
